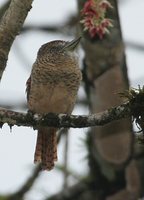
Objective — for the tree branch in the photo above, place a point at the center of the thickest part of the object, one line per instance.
(66, 28)
(10, 26)
(25, 188)
(135, 45)
(70, 193)
(27, 185)
(63, 120)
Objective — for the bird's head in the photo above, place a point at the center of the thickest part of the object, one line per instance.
(59, 50)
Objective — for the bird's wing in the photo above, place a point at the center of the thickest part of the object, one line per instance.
(28, 87)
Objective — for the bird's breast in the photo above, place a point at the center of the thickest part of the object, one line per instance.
(53, 90)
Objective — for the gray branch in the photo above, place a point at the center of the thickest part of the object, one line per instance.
(10, 26)
(63, 120)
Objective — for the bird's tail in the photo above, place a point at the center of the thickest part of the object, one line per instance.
(46, 148)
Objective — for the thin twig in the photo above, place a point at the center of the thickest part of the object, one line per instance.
(135, 45)
(27, 185)
(66, 152)
(66, 28)
(70, 193)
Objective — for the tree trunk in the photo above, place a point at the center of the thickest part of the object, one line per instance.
(112, 166)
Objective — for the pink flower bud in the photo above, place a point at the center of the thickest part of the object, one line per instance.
(94, 20)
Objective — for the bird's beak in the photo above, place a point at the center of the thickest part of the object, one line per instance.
(70, 46)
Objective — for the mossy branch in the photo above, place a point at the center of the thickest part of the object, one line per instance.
(63, 120)
(134, 108)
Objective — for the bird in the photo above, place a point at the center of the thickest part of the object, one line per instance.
(52, 88)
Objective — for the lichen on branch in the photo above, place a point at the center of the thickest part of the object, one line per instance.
(134, 108)
(63, 120)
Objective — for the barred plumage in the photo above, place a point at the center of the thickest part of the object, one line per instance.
(52, 87)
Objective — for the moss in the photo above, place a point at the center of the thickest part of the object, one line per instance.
(136, 103)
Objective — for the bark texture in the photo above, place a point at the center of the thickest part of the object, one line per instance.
(111, 146)
(10, 26)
